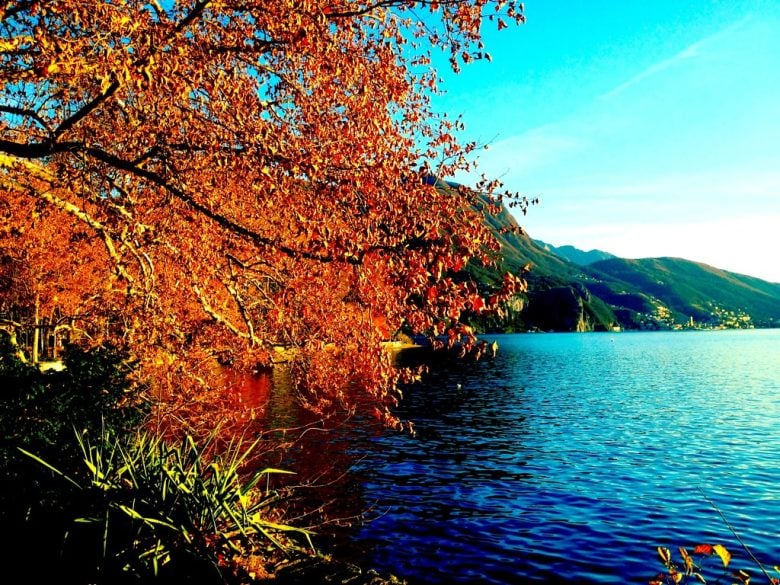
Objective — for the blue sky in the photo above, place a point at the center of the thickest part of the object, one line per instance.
(646, 128)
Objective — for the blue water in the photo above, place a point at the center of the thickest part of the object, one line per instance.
(573, 456)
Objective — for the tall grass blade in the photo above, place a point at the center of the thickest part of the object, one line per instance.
(49, 467)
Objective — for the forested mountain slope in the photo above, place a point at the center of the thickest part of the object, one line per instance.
(650, 293)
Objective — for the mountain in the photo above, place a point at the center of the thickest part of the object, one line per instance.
(557, 298)
(572, 290)
(682, 291)
(579, 257)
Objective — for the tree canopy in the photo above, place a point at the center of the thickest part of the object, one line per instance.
(204, 179)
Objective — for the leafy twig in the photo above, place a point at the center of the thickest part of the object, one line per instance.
(739, 539)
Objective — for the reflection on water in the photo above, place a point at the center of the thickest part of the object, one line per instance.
(573, 456)
(320, 451)
(569, 456)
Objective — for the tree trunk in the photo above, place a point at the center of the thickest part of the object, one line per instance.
(36, 332)
(17, 349)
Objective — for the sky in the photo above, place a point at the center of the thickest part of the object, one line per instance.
(645, 128)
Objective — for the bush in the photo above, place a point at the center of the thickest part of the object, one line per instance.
(39, 409)
(38, 412)
(153, 509)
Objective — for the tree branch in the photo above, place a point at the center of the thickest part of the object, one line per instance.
(220, 219)
(73, 210)
(242, 308)
(109, 91)
(389, 4)
(86, 110)
(219, 318)
(27, 114)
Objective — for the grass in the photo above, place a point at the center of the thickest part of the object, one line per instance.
(176, 510)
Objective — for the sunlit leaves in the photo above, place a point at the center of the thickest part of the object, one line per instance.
(687, 560)
(703, 549)
(693, 564)
(725, 555)
(665, 554)
(224, 178)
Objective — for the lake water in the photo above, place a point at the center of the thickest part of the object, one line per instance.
(573, 456)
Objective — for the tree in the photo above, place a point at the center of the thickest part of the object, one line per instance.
(200, 179)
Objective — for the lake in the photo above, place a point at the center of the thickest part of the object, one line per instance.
(573, 456)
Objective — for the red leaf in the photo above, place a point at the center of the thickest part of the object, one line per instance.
(703, 549)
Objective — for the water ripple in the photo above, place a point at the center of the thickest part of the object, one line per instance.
(574, 456)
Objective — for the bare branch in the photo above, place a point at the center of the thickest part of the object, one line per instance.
(27, 114)
(217, 317)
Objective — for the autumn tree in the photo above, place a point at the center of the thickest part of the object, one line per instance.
(202, 180)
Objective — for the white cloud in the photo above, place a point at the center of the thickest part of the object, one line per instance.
(517, 155)
(691, 52)
(684, 55)
(760, 187)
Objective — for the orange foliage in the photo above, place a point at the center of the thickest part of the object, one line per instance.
(211, 179)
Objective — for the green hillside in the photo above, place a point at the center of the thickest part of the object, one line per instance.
(653, 293)
(689, 289)
(557, 299)
(519, 250)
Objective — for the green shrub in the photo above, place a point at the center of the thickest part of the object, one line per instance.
(155, 509)
(38, 412)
